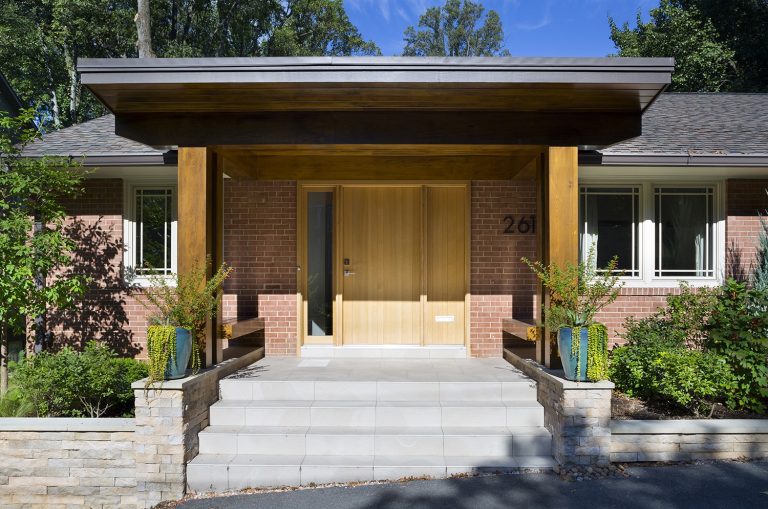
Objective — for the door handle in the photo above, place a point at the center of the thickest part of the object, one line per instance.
(348, 272)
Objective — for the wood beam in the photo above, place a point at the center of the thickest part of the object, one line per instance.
(200, 224)
(559, 182)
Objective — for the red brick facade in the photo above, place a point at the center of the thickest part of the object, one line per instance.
(501, 285)
(260, 243)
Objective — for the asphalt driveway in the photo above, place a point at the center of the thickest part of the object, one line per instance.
(715, 485)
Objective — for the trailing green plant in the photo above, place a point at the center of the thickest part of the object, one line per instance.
(187, 300)
(161, 350)
(597, 352)
(738, 330)
(577, 292)
(91, 383)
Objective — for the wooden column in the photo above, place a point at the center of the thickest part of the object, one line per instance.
(200, 224)
(559, 235)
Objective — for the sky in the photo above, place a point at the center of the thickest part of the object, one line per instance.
(563, 28)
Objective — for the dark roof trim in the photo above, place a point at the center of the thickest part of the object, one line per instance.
(10, 93)
(375, 70)
(595, 158)
(159, 159)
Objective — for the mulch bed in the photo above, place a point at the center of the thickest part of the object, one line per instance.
(624, 408)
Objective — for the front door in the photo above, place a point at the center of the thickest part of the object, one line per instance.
(381, 265)
(385, 264)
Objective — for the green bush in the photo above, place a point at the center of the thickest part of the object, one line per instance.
(738, 330)
(686, 380)
(94, 383)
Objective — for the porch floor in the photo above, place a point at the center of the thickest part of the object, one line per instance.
(384, 370)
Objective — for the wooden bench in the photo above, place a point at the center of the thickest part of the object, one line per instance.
(525, 329)
(235, 329)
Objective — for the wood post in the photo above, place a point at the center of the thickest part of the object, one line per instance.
(200, 224)
(559, 208)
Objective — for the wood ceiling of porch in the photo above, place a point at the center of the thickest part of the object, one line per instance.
(380, 162)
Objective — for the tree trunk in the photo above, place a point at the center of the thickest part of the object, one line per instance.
(70, 60)
(3, 360)
(144, 40)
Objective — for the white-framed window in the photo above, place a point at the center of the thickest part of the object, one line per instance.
(149, 230)
(663, 232)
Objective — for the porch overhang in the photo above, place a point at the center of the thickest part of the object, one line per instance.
(377, 100)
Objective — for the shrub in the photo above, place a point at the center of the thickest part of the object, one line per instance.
(738, 330)
(686, 380)
(94, 383)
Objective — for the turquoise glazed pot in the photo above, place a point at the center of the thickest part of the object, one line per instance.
(564, 342)
(178, 369)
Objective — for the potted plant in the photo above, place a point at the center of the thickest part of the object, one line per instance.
(181, 307)
(577, 292)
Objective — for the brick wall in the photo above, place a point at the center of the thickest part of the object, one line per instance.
(745, 199)
(636, 302)
(260, 243)
(109, 311)
(501, 285)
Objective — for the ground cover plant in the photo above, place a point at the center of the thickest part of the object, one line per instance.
(92, 383)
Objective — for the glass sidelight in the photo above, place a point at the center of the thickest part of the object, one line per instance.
(319, 252)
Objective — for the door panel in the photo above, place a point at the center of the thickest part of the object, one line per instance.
(382, 282)
(444, 319)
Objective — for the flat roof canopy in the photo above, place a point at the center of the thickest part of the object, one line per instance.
(400, 100)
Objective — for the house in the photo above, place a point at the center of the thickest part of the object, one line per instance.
(380, 208)
(297, 144)
(9, 101)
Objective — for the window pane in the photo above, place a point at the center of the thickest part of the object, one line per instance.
(153, 231)
(320, 263)
(609, 224)
(684, 232)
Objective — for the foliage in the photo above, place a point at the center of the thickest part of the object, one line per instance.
(577, 291)
(688, 380)
(703, 63)
(188, 301)
(92, 383)
(455, 30)
(742, 25)
(759, 275)
(738, 330)
(41, 40)
(161, 349)
(597, 352)
(31, 190)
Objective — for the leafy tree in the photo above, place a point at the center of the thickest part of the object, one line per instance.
(742, 25)
(703, 63)
(31, 192)
(456, 29)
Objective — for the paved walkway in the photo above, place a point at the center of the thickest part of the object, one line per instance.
(717, 485)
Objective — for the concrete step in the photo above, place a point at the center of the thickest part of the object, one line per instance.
(235, 472)
(368, 441)
(334, 390)
(360, 413)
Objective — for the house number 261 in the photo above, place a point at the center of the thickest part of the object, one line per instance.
(520, 224)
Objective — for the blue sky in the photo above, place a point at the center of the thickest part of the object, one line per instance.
(531, 27)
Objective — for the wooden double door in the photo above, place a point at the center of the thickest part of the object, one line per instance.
(399, 264)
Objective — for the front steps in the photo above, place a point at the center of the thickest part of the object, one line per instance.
(364, 420)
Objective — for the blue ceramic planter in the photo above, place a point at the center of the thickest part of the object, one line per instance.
(178, 369)
(564, 341)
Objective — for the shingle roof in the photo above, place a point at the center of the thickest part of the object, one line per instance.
(96, 140)
(721, 126)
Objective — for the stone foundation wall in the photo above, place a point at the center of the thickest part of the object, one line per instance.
(689, 440)
(578, 414)
(58, 462)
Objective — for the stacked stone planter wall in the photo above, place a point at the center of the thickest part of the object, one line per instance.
(99, 463)
(67, 462)
(578, 414)
(685, 440)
